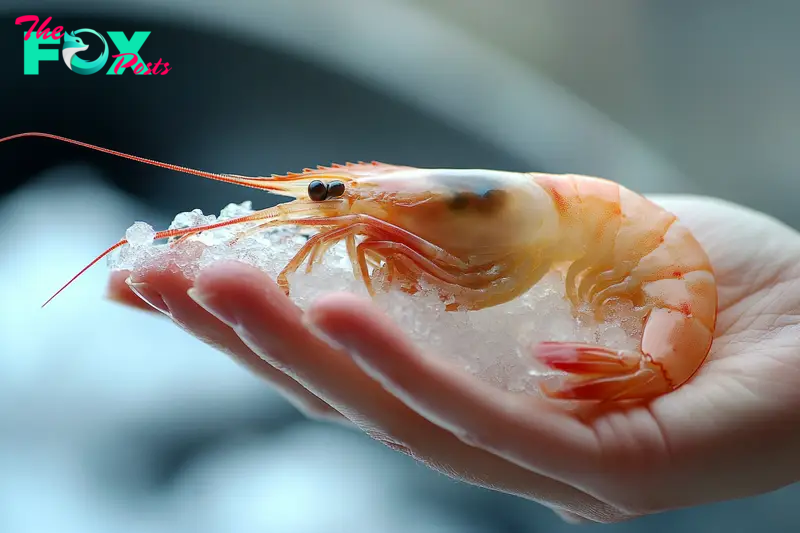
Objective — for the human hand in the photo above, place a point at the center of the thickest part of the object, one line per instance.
(731, 432)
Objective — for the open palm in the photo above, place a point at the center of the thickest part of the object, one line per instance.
(732, 431)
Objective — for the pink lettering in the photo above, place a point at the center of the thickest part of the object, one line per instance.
(43, 32)
(28, 18)
(158, 64)
(134, 59)
(122, 63)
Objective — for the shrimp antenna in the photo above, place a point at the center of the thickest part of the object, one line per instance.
(227, 178)
(158, 236)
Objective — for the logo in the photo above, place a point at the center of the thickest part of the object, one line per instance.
(36, 50)
(73, 44)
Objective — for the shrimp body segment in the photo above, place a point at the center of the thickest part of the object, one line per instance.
(483, 238)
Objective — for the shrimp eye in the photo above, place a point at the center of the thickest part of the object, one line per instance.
(317, 191)
(335, 189)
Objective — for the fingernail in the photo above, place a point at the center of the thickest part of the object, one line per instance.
(149, 295)
(308, 321)
(203, 300)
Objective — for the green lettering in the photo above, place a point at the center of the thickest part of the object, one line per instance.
(32, 53)
(126, 46)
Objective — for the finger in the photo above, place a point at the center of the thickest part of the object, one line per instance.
(519, 427)
(255, 307)
(119, 291)
(570, 517)
(165, 289)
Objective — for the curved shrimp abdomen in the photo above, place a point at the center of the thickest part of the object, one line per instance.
(680, 290)
(623, 246)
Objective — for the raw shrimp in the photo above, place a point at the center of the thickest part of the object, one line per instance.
(484, 237)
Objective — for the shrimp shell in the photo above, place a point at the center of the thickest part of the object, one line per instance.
(484, 237)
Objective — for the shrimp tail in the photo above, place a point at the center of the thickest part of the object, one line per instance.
(600, 373)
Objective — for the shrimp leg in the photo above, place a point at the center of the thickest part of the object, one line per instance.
(435, 253)
(324, 240)
(318, 252)
(359, 262)
(469, 285)
(475, 280)
(351, 225)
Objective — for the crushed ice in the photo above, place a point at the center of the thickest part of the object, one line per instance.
(140, 234)
(491, 343)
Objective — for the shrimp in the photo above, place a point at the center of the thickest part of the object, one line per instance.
(485, 237)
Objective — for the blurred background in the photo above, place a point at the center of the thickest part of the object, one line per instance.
(116, 422)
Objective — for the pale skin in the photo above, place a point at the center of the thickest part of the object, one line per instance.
(732, 431)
